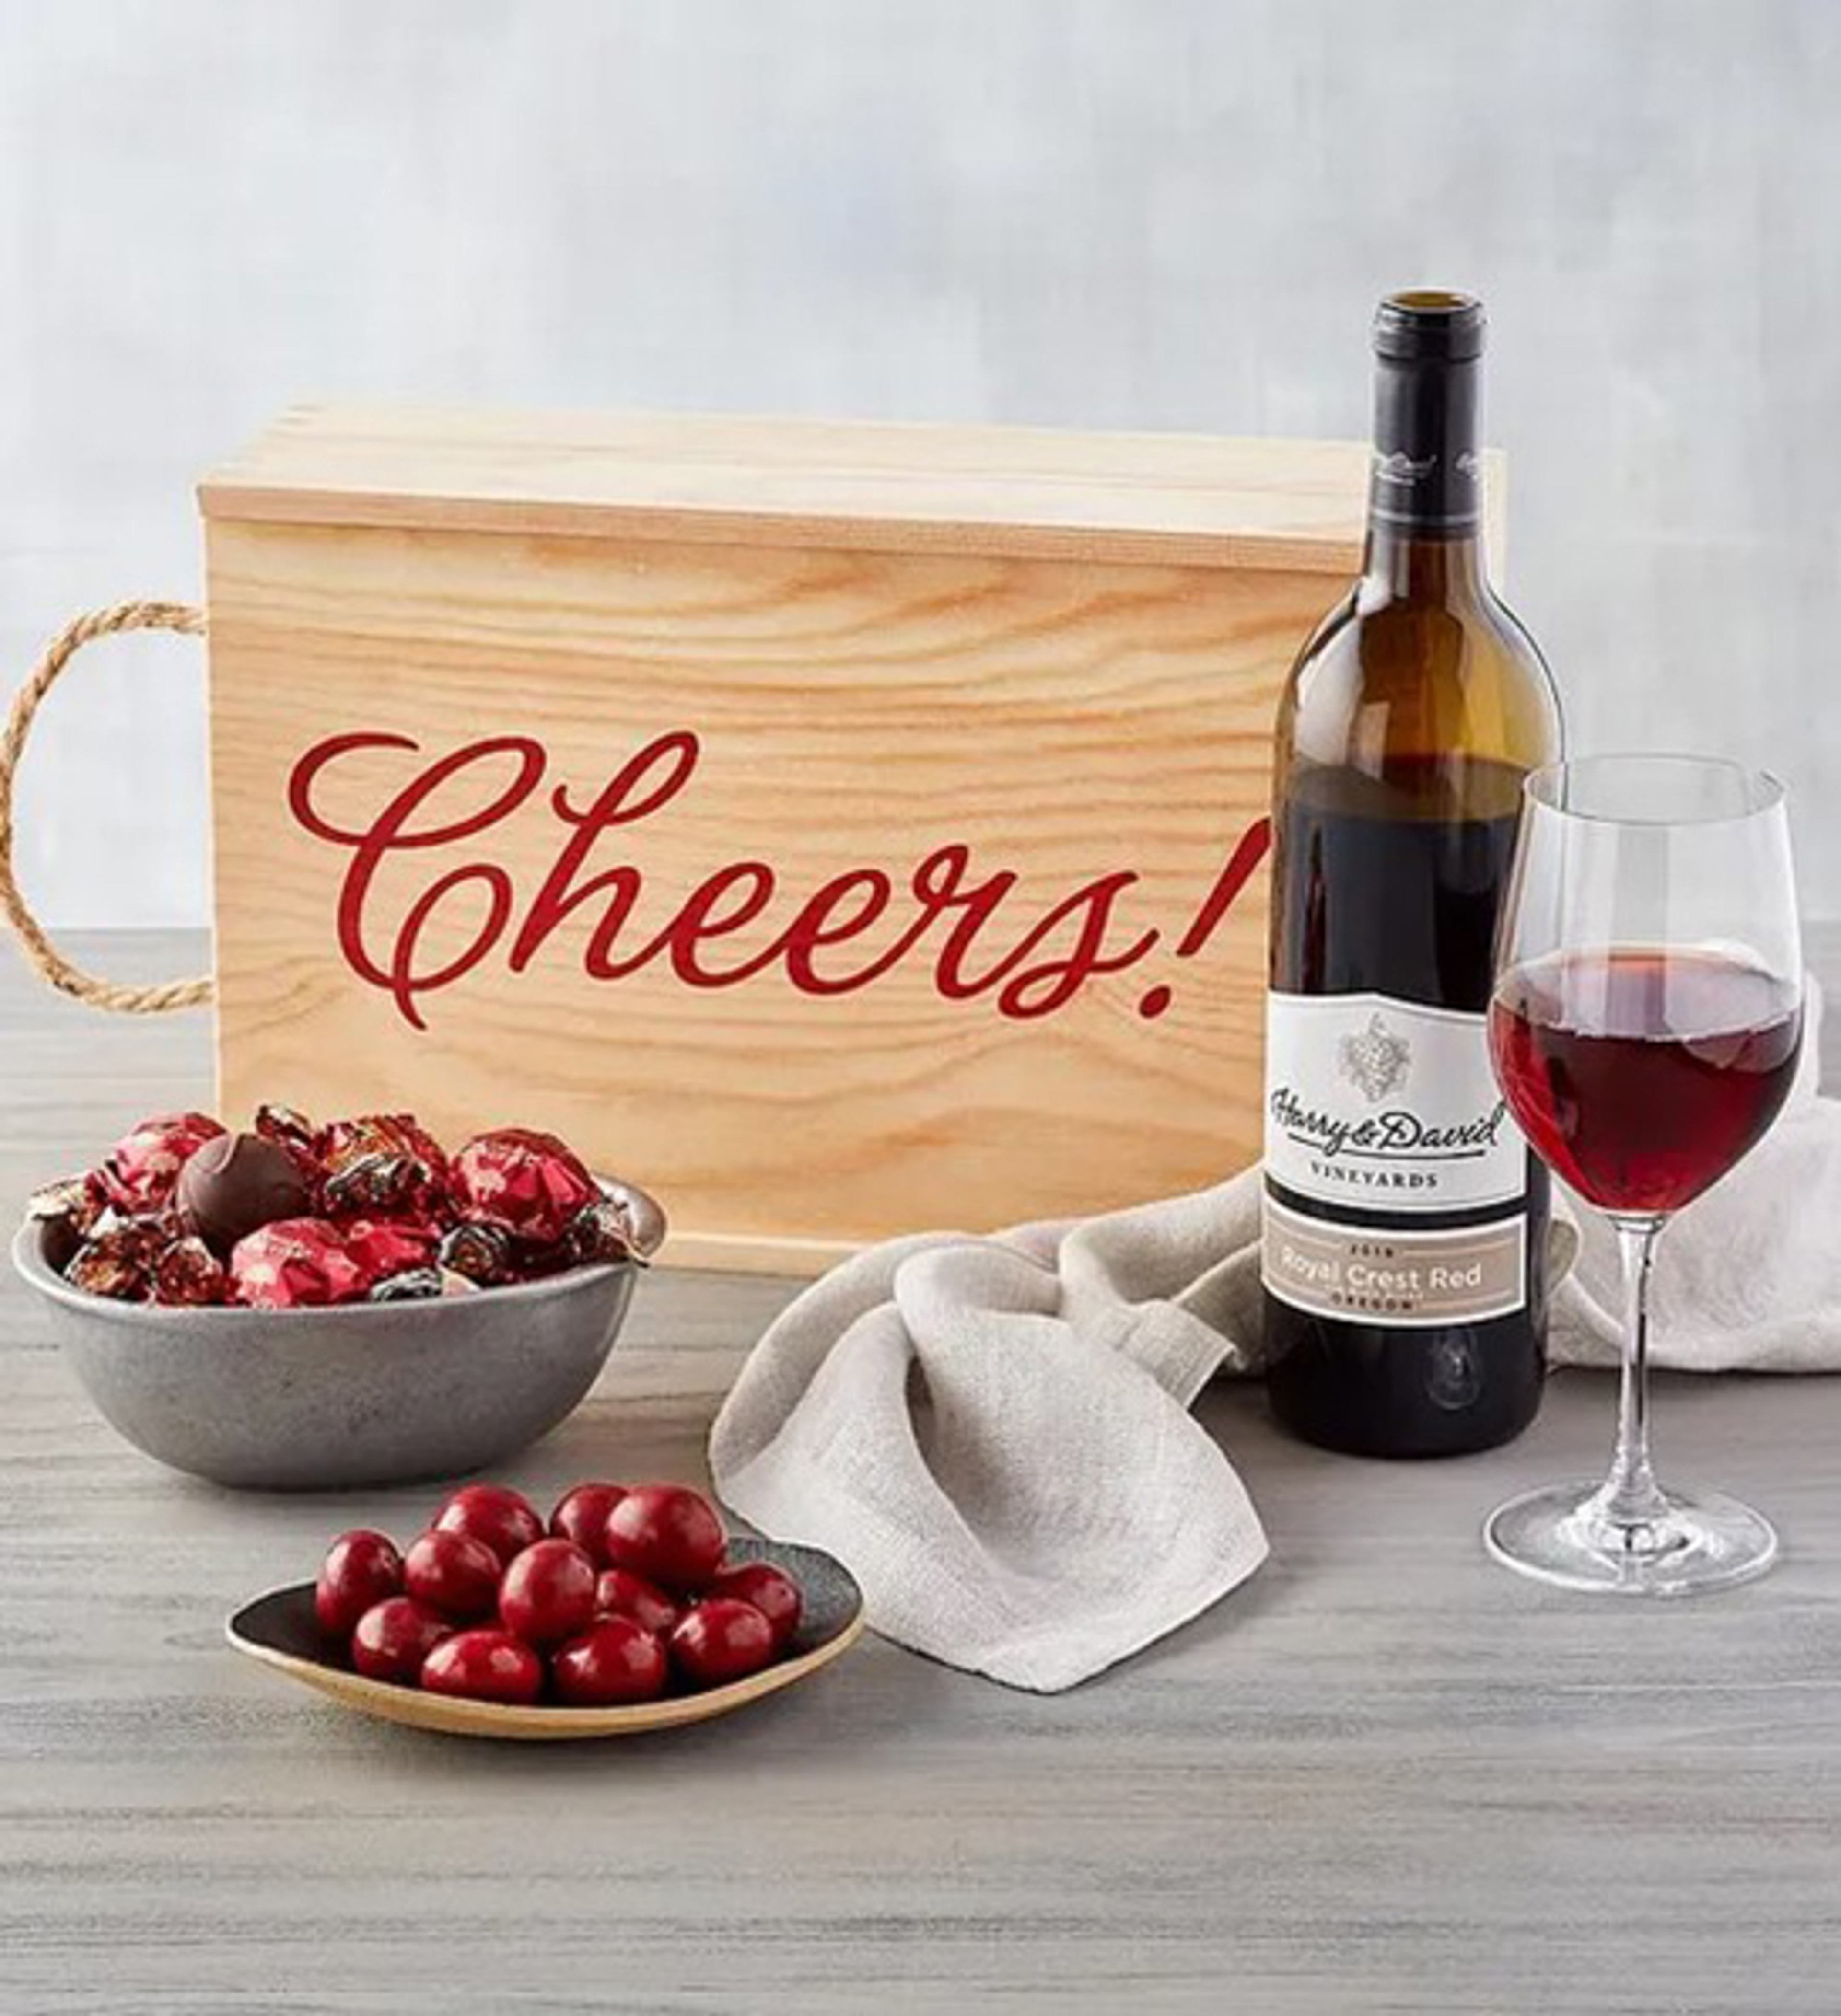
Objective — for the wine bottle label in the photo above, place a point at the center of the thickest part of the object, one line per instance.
(1369, 1100)
(1411, 1280)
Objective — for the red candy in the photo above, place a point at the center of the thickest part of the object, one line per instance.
(619, 1593)
(141, 1171)
(548, 1592)
(485, 1606)
(598, 1235)
(616, 1662)
(484, 1665)
(188, 1275)
(529, 1182)
(505, 1520)
(481, 1254)
(721, 1641)
(667, 1532)
(381, 1164)
(771, 1591)
(454, 1574)
(386, 1246)
(295, 1263)
(78, 1202)
(392, 1638)
(581, 1515)
(118, 1259)
(362, 1567)
(379, 1212)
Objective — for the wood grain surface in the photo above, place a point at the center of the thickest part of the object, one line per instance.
(1019, 492)
(1061, 720)
(1385, 1776)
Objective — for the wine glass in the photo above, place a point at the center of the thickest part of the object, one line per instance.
(1644, 1028)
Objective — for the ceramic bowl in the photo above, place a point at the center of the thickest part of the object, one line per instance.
(279, 1630)
(367, 1393)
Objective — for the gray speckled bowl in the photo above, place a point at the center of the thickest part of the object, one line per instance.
(371, 1393)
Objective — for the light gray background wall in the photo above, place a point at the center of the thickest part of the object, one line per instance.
(1094, 213)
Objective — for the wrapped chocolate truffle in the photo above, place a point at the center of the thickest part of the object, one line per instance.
(296, 1263)
(118, 1259)
(68, 1210)
(598, 1234)
(187, 1274)
(381, 1163)
(481, 1254)
(530, 1183)
(143, 1170)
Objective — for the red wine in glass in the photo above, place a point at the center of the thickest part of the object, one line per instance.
(1640, 1076)
(1641, 1069)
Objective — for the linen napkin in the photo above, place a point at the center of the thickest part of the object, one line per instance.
(993, 1432)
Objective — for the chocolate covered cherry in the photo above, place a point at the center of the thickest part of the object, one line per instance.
(484, 1665)
(360, 1568)
(772, 1592)
(505, 1520)
(548, 1592)
(720, 1640)
(394, 1637)
(581, 1515)
(620, 1593)
(616, 1661)
(453, 1573)
(668, 1533)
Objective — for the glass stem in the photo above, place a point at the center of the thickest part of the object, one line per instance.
(1631, 1495)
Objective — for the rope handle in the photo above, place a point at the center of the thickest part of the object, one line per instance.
(57, 969)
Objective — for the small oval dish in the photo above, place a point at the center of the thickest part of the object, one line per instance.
(364, 1394)
(279, 1629)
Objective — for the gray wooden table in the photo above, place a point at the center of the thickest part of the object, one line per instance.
(1386, 1775)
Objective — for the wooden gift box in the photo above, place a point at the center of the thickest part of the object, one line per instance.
(843, 830)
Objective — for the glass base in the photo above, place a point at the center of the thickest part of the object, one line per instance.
(1563, 1534)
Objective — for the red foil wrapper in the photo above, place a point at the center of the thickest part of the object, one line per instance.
(145, 1165)
(296, 1263)
(118, 1259)
(530, 1183)
(188, 1275)
(384, 1247)
(382, 1164)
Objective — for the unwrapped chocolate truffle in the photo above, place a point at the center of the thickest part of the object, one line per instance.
(234, 1185)
(295, 1132)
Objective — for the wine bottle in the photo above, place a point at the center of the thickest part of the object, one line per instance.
(1405, 1219)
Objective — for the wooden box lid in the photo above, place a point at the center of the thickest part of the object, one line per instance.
(1172, 499)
